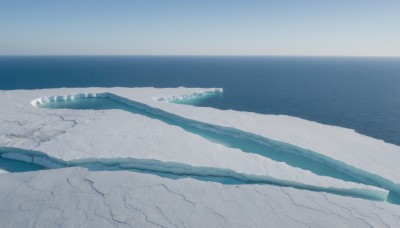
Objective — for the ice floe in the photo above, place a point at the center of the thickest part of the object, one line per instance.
(159, 138)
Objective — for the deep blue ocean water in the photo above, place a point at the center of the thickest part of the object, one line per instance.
(357, 93)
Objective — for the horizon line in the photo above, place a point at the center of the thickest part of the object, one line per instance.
(192, 55)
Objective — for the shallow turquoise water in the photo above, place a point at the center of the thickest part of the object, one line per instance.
(14, 166)
(207, 174)
(275, 150)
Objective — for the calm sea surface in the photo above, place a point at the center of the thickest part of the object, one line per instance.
(358, 93)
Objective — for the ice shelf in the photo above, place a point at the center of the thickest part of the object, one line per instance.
(140, 130)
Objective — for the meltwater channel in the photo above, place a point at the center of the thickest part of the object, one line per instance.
(247, 142)
(273, 150)
(14, 166)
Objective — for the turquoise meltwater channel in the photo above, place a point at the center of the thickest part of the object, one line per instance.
(13, 166)
(244, 144)
(278, 151)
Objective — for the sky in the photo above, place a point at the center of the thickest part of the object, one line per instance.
(206, 27)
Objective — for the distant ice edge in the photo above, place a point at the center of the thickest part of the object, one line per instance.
(363, 176)
(179, 169)
(42, 100)
(192, 95)
(204, 92)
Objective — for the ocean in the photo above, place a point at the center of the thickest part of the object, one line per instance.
(358, 93)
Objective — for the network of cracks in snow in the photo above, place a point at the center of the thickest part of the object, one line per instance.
(75, 197)
(229, 137)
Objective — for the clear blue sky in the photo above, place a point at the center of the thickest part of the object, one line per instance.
(206, 27)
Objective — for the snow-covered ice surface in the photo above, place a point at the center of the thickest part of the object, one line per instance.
(75, 197)
(116, 139)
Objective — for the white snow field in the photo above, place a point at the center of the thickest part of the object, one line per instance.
(238, 168)
(75, 197)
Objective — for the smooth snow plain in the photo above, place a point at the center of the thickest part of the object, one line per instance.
(114, 139)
